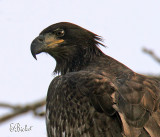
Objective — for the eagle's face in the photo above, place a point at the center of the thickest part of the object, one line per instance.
(62, 39)
(70, 45)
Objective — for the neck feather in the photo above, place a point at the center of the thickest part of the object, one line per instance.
(75, 59)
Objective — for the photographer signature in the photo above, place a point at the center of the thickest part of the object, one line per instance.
(16, 127)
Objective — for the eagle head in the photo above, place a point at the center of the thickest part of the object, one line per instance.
(67, 43)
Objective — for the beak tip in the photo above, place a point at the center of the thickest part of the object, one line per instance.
(35, 58)
(33, 50)
(34, 55)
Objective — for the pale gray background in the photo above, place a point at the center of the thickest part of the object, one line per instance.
(126, 27)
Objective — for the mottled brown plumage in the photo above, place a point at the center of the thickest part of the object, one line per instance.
(94, 94)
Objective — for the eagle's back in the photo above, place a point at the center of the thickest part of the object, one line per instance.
(103, 102)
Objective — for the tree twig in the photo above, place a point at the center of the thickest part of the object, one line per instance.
(5, 105)
(152, 54)
(18, 110)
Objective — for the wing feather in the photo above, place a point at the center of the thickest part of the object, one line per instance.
(137, 103)
(98, 106)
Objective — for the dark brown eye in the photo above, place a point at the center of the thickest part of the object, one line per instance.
(60, 33)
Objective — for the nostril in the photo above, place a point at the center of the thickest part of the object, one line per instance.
(40, 38)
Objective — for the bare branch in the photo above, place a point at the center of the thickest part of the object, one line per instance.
(18, 110)
(40, 114)
(152, 54)
(5, 105)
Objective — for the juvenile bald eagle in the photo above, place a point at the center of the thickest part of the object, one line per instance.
(94, 95)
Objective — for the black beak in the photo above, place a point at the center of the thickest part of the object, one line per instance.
(37, 46)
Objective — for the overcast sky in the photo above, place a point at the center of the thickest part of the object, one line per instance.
(126, 26)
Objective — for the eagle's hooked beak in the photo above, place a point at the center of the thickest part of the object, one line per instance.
(44, 43)
(37, 45)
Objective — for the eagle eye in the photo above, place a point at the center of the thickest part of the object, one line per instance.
(59, 33)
